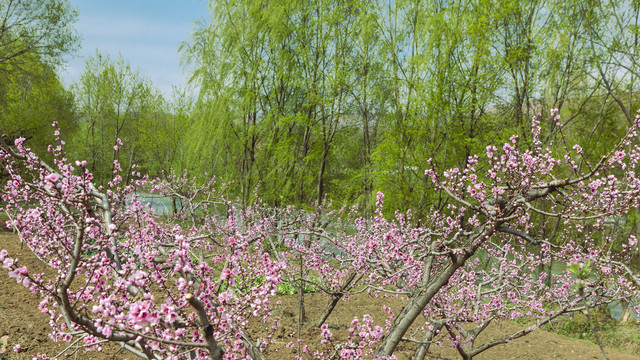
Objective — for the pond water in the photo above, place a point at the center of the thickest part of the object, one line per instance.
(161, 205)
(615, 310)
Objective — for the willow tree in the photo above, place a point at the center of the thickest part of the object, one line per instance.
(162, 134)
(350, 97)
(226, 56)
(34, 37)
(113, 101)
(439, 62)
(274, 90)
(42, 27)
(32, 97)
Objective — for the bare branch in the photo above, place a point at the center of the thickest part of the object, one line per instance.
(215, 351)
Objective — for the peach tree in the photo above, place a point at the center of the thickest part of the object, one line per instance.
(525, 234)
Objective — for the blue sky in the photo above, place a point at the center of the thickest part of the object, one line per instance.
(146, 33)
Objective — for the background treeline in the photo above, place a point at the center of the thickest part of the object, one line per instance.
(297, 100)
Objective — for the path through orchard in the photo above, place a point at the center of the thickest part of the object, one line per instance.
(22, 323)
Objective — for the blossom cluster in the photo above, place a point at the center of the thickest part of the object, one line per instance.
(197, 282)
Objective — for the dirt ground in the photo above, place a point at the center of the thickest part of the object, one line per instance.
(22, 323)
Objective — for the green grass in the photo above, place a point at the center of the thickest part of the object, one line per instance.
(287, 288)
(621, 337)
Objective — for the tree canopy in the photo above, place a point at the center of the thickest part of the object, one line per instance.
(338, 98)
(42, 27)
(34, 37)
(348, 97)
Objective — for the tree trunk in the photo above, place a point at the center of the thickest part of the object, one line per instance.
(423, 349)
(416, 305)
(335, 297)
(323, 166)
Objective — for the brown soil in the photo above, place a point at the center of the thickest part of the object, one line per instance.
(20, 320)
(22, 323)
